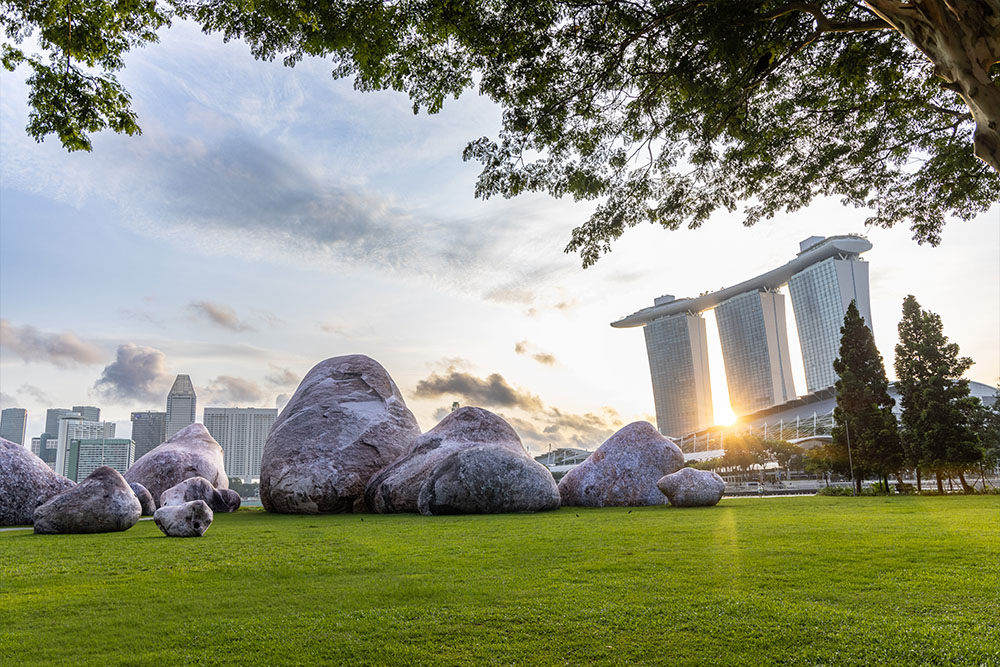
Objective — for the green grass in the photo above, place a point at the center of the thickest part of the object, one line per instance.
(784, 581)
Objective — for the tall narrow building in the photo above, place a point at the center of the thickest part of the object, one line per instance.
(181, 403)
(52, 417)
(755, 350)
(72, 427)
(242, 433)
(88, 412)
(13, 422)
(149, 430)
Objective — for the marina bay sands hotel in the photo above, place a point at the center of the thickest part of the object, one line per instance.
(822, 280)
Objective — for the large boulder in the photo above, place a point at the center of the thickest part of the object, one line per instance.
(624, 470)
(199, 488)
(145, 498)
(190, 519)
(488, 479)
(25, 483)
(396, 487)
(102, 503)
(692, 488)
(192, 452)
(345, 422)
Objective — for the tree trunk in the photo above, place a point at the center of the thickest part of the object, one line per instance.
(857, 485)
(965, 485)
(962, 39)
(919, 488)
(940, 483)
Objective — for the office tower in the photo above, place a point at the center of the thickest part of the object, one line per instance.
(13, 422)
(149, 430)
(52, 417)
(36, 446)
(755, 350)
(181, 402)
(72, 427)
(88, 412)
(242, 433)
(820, 297)
(677, 347)
(85, 455)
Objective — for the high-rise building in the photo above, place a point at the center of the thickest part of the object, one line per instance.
(181, 403)
(36, 446)
(242, 433)
(88, 412)
(755, 350)
(825, 276)
(13, 422)
(72, 427)
(149, 430)
(52, 417)
(85, 455)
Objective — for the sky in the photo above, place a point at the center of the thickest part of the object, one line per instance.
(269, 218)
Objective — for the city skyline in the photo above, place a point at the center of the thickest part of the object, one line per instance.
(270, 218)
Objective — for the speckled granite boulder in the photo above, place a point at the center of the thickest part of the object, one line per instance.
(396, 487)
(145, 498)
(624, 470)
(190, 519)
(25, 483)
(345, 422)
(692, 488)
(102, 503)
(199, 488)
(488, 479)
(192, 452)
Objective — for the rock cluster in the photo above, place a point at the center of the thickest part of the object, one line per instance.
(624, 470)
(192, 452)
(102, 503)
(346, 421)
(199, 488)
(25, 483)
(145, 498)
(692, 488)
(189, 519)
(471, 462)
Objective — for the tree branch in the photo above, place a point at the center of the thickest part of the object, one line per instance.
(823, 23)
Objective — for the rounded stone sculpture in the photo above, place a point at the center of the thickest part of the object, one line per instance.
(145, 498)
(102, 503)
(199, 488)
(345, 422)
(396, 487)
(25, 483)
(192, 452)
(488, 479)
(190, 519)
(624, 470)
(692, 488)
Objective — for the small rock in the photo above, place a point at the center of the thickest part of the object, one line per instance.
(25, 483)
(226, 500)
(192, 452)
(145, 498)
(624, 470)
(102, 503)
(689, 487)
(199, 488)
(191, 519)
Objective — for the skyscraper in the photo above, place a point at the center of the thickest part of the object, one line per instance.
(72, 427)
(181, 403)
(149, 429)
(85, 455)
(88, 412)
(242, 433)
(52, 417)
(13, 422)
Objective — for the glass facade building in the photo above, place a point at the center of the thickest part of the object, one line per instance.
(242, 433)
(13, 423)
(677, 347)
(86, 455)
(149, 430)
(181, 405)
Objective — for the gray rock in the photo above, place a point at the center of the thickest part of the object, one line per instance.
(692, 488)
(145, 498)
(488, 479)
(199, 488)
(396, 487)
(624, 470)
(345, 422)
(102, 503)
(192, 452)
(190, 519)
(25, 483)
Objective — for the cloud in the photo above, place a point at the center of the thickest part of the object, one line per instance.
(281, 400)
(491, 391)
(219, 314)
(137, 373)
(36, 393)
(332, 329)
(526, 348)
(231, 390)
(282, 377)
(63, 349)
(7, 401)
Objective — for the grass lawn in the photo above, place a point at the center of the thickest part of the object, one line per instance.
(783, 581)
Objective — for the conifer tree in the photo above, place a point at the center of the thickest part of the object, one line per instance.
(863, 416)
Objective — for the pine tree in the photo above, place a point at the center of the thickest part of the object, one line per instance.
(863, 416)
(938, 414)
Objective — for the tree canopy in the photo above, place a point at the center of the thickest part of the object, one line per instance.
(662, 111)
